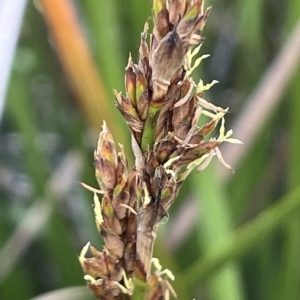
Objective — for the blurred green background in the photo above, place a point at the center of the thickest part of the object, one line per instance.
(230, 236)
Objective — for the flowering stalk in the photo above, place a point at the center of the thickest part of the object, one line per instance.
(162, 107)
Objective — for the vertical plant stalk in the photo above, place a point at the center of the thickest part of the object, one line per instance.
(162, 107)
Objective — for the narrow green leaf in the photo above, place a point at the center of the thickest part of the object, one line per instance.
(244, 238)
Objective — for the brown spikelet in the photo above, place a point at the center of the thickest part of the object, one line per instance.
(162, 107)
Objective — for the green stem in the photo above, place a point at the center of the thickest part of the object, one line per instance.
(149, 128)
(244, 238)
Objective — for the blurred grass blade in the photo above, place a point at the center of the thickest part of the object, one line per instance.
(213, 229)
(289, 276)
(9, 10)
(263, 101)
(77, 61)
(27, 230)
(251, 12)
(38, 215)
(107, 44)
(244, 238)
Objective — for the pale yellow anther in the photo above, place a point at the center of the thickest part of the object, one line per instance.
(83, 253)
(122, 288)
(97, 211)
(170, 161)
(168, 273)
(171, 172)
(147, 199)
(204, 87)
(90, 188)
(214, 116)
(158, 267)
(128, 288)
(156, 264)
(128, 282)
(89, 278)
(195, 51)
(225, 137)
(196, 64)
(189, 65)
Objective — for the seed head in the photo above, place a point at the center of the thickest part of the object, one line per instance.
(162, 107)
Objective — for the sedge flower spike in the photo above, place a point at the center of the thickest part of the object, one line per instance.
(161, 107)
